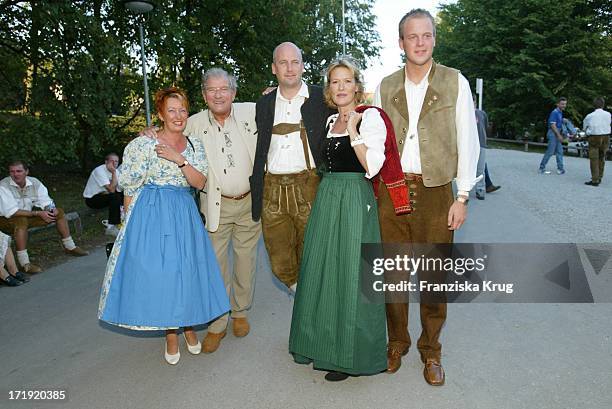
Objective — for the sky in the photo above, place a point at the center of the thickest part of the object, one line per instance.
(388, 13)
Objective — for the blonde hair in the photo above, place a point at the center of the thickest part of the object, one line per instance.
(348, 63)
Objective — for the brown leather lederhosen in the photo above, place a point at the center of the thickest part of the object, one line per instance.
(287, 200)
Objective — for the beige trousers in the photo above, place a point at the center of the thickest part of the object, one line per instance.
(236, 226)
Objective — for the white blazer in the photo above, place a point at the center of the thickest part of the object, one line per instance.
(198, 125)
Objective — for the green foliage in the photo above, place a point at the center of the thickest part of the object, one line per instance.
(529, 53)
(70, 70)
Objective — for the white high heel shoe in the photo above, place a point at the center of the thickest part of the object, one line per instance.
(171, 359)
(193, 349)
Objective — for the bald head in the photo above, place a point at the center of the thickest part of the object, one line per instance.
(284, 48)
(288, 67)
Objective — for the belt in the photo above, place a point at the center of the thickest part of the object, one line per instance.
(413, 177)
(290, 178)
(239, 197)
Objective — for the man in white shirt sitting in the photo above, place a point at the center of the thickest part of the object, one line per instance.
(102, 191)
(20, 195)
(597, 127)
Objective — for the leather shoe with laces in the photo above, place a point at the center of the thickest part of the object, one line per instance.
(394, 358)
(433, 372)
(77, 252)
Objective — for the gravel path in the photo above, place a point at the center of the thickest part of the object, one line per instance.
(571, 210)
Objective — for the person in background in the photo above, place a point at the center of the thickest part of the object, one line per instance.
(597, 127)
(101, 191)
(9, 276)
(555, 138)
(484, 185)
(25, 203)
(488, 183)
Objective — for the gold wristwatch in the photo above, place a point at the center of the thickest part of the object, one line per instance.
(463, 199)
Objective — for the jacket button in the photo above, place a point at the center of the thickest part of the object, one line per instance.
(217, 203)
(401, 142)
(218, 189)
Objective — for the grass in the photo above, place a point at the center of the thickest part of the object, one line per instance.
(66, 189)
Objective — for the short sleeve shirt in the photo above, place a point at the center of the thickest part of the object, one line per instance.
(556, 116)
(98, 179)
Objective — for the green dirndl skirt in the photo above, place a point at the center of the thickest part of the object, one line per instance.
(333, 325)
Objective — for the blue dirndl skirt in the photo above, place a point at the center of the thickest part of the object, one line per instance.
(166, 274)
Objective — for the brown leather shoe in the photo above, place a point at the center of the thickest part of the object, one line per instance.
(433, 372)
(32, 268)
(241, 327)
(212, 342)
(77, 252)
(394, 358)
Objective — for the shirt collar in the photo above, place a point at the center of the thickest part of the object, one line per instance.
(27, 183)
(303, 92)
(424, 82)
(213, 121)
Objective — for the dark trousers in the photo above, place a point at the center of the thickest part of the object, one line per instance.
(111, 200)
(487, 177)
(426, 224)
(598, 145)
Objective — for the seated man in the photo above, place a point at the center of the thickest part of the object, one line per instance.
(101, 191)
(20, 196)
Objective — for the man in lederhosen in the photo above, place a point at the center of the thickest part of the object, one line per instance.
(290, 124)
(432, 112)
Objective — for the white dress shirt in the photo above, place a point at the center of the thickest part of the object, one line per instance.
(597, 123)
(374, 134)
(98, 179)
(468, 147)
(286, 153)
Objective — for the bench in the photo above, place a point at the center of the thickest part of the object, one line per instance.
(70, 217)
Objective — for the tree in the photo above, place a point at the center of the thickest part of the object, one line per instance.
(73, 67)
(529, 53)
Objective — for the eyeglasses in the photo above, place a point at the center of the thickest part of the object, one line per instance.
(221, 90)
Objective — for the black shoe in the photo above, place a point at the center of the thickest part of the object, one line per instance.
(11, 281)
(334, 376)
(492, 188)
(479, 196)
(591, 183)
(21, 277)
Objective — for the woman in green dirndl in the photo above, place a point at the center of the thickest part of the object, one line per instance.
(332, 326)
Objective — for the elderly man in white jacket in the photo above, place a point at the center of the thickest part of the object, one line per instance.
(229, 134)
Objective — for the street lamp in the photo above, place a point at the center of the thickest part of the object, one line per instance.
(343, 32)
(140, 8)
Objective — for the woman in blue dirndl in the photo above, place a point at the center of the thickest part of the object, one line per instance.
(162, 273)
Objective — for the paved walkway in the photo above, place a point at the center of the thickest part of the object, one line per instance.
(495, 355)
